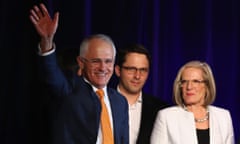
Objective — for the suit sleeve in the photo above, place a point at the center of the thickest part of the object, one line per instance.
(51, 73)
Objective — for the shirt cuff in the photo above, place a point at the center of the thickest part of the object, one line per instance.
(46, 53)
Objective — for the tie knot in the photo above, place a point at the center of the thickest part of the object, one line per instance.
(100, 93)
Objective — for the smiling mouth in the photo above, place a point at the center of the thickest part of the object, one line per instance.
(100, 74)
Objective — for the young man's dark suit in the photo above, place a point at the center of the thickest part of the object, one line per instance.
(79, 111)
(150, 106)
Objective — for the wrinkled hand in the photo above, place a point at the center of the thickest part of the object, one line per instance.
(44, 24)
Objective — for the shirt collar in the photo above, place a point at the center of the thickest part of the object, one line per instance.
(95, 88)
(139, 100)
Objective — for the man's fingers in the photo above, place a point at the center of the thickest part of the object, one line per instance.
(38, 12)
(34, 15)
(44, 10)
(33, 19)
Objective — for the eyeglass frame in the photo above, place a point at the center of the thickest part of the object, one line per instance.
(134, 70)
(195, 82)
(98, 61)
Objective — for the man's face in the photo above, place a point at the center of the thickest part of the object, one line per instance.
(133, 73)
(97, 64)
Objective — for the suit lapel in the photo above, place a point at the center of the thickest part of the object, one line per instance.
(215, 131)
(187, 128)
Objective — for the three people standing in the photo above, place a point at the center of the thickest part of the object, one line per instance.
(193, 121)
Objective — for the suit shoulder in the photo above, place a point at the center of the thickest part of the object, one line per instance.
(171, 109)
(171, 113)
(152, 100)
(216, 109)
(115, 93)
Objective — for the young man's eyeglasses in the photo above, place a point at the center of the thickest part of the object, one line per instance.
(133, 70)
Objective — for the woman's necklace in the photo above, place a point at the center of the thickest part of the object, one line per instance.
(201, 120)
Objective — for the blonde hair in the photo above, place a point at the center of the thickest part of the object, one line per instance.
(207, 76)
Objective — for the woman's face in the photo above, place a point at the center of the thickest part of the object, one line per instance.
(193, 87)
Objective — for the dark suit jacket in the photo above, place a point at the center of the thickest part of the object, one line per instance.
(78, 116)
(150, 106)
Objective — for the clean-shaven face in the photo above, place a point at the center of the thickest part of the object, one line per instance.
(98, 63)
(193, 88)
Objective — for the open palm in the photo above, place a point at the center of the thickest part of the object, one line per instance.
(44, 24)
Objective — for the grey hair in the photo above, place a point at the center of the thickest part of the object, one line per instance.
(85, 42)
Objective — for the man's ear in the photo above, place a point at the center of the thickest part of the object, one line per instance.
(80, 65)
(117, 70)
(80, 62)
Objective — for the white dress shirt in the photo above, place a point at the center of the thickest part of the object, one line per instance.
(134, 120)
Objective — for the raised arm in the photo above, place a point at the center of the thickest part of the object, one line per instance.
(44, 25)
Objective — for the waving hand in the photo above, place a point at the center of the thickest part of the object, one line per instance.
(44, 25)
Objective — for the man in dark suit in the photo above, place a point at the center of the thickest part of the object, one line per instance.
(132, 68)
(79, 106)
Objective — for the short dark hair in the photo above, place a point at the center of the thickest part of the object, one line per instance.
(131, 48)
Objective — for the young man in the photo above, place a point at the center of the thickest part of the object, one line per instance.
(132, 68)
(80, 118)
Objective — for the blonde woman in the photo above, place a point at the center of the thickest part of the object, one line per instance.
(193, 120)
